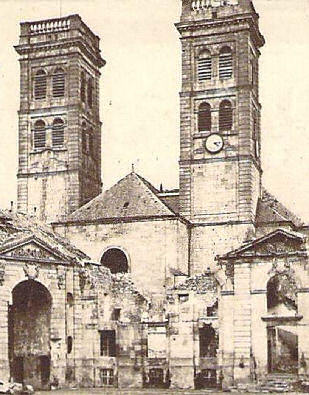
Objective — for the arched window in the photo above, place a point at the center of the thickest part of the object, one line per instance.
(225, 63)
(115, 260)
(58, 133)
(58, 83)
(70, 299)
(204, 66)
(83, 87)
(69, 344)
(204, 118)
(281, 291)
(225, 116)
(90, 92)
(39, 135)
(40, 84)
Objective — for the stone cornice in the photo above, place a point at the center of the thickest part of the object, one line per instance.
(247, 20)
(28, 49)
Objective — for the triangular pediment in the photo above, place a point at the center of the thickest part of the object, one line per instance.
(279, 242)
(31, 248)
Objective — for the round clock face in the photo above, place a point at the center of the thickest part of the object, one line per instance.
(214, 143)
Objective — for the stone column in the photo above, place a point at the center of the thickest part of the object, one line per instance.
(242, 322)
(303, 330)
(226, 343)
(4, 340)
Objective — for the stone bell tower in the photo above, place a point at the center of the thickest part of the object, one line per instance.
(59, 126)
(220, 165)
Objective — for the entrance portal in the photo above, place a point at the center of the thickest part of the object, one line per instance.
(282, 349)
(29, 334)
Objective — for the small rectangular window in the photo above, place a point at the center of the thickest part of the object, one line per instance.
(107, 377)
(108, 343)
(116, 314)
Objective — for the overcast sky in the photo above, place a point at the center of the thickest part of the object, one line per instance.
(141, 81)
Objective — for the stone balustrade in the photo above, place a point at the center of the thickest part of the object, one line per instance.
(200, 5)
(50, 26)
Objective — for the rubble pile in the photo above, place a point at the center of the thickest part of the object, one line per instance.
(122, 283)
(201, 284)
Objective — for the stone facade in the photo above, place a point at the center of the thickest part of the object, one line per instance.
(201, 287)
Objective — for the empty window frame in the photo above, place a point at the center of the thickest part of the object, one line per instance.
(204, 118)
(107, 377)
(204, 66)
(39, 135)
(225, 116)
(40, 85)
(225, 63)
(208, 340)
(108, 343)
(58, 133)
(58, 83)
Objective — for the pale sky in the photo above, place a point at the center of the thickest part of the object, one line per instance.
(141, 81)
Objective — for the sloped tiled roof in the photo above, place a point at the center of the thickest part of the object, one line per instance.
(171, 199)
(17, 228)
(131, 197)
(270, 210)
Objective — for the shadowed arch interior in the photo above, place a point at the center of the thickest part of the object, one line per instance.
(115, 260)
(29, 334)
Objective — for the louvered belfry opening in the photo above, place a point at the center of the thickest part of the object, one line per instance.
(39, 135)
(225, 63)
(40, 85)
(204, 66)
(58, 83)
(204, 118)
(225, 116)
(58, 133)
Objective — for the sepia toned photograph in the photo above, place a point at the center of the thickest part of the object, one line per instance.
(154, 214)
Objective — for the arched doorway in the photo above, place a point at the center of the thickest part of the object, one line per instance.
(29, 334)
(115, 260)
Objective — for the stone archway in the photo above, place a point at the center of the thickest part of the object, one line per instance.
(29, 334)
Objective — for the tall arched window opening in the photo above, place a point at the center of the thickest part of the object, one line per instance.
(84, 137)
(58, 83)
(204, 66)
(58, 133)
(204, 118)
(90, 92)
(40, 85)
(39, 135)
(225, 63)
(83, 87)
(225, 116)
(115, 260)
(91, 142)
